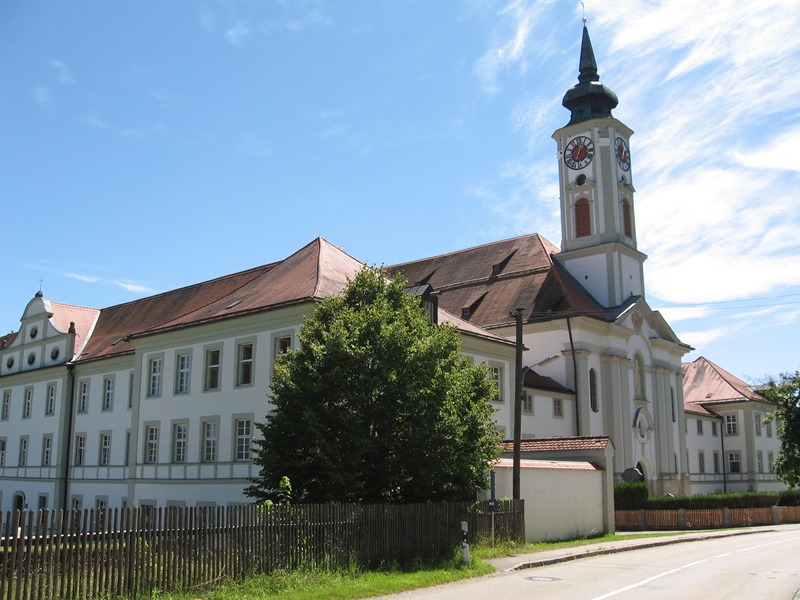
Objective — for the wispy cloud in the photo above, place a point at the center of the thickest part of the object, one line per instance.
(63, 72)
(127, 285)
(703, 84)
(130, 286)
(41, 96)
(238, 32)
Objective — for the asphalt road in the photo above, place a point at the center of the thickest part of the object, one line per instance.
(765, 564)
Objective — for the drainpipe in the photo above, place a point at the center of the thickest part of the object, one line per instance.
(516, 492)
(722, 443)
(64, 483)
(575, 375)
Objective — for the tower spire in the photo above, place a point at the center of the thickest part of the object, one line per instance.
(588, 99)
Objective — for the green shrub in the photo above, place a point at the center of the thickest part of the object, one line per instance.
(630, 496)
(741, 500)
(789, 498)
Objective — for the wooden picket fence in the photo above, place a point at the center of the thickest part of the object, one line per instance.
(133, 552)
(680, 519)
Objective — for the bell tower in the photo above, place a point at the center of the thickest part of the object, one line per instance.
(598, 228)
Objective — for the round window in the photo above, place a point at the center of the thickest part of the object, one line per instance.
(31, 358)
(10, 362)
(54, 353)
(34, 332)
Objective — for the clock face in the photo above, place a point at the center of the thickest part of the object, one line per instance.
(579, 152)
(623, 154)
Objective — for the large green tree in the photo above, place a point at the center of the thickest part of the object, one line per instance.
(785, 393)
(377, 405)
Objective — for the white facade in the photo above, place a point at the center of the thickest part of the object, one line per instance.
(168, 423)
(733, 450)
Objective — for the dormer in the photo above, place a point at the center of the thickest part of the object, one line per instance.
(50, 334)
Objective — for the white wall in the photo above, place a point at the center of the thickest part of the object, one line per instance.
(563, 500)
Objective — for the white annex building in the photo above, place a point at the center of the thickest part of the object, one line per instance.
(154, 402)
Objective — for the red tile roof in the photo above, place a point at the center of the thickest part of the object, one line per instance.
(311, 273)
(83, 318)
(484, 284)
(559, 444)
(468, 328)
(316, 271)
(5, 340)
(705, 383)
(562, 465)
(532, 379)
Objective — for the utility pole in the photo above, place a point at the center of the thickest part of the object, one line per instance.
(517, 314)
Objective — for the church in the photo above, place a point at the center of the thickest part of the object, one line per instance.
(153, 402)
(587, 324)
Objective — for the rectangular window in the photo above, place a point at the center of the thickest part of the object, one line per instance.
(210, 435)
(282, 345)
(27, 405)
(130, 390)
(105, 449)
(80, 449)
(50, 406)
(734, 462)
(731, 425)
(108, 393)
(127, 445)
(77, 502)
(770, 459)
(760, 461)
(699, 427)
(6, 405)
(701, 461)
(757, 422)
(527, 402)
(716, 462)
(2, 452)
(497, 377)
(243, 427)
(23, 451)
(47, 450)
(42, 502)
(151, 444)
(83, 396)
(714, 428)
(154, 374)
(244, 370)
(179, 443)
(768, 428)
(182, 375)
(558, 407)
(212, 368)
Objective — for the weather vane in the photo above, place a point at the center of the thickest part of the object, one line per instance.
(41, 281)
(583, 8)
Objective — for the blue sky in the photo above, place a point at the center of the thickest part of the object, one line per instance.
(149, 145)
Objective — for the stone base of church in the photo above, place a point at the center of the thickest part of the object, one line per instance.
(672, 485)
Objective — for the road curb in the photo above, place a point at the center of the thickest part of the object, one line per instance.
(618, 549)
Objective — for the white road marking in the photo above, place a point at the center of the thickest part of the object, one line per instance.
(671, 571)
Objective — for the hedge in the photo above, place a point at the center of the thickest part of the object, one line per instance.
(634, 496)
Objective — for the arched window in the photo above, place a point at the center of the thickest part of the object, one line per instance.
(672, 400)
(638, 378)
(583, 222)
(593, 390)
(626, 218)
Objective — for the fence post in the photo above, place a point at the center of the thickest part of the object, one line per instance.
(464, 542)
